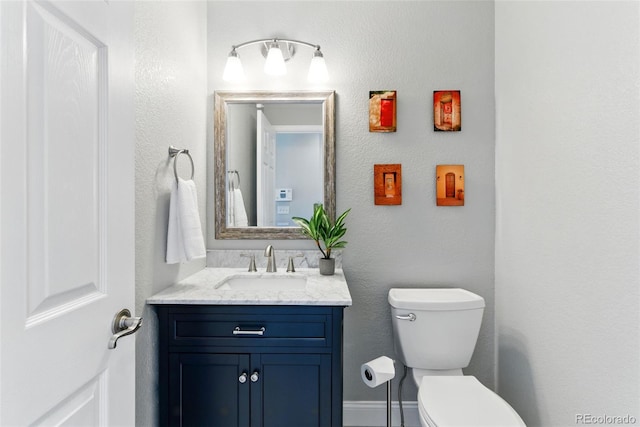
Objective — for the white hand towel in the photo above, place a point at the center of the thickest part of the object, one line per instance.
(239, 211)
(184, 235)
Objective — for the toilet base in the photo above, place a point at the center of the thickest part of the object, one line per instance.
(447, 401)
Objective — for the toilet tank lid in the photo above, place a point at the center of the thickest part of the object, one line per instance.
(434, 299)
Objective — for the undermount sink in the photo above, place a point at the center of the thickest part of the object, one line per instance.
(276, 283)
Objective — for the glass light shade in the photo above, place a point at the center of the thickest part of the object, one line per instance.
(318, 69)
(233, 71)
(274, 65)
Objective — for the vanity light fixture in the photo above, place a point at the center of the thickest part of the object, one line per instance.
(276, 52)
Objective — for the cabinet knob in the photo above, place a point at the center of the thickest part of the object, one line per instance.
(243, 378)
(255, 377)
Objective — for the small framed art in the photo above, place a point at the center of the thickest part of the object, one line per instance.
(382, 111)
(450, 185)
(387, 184)
(447, 111)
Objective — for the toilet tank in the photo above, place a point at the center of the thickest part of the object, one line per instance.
(444, 329)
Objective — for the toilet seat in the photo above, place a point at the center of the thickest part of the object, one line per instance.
(445, 401)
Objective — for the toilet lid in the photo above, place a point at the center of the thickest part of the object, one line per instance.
(463, 401)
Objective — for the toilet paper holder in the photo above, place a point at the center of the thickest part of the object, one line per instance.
(378, 371)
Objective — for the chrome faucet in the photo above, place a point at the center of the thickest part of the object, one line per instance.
(270, 253)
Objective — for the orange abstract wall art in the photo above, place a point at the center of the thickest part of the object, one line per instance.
(450, 185)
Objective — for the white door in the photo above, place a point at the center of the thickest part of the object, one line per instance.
(266, 175)
(66, 212)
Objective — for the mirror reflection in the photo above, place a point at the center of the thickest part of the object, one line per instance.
(274, 160)
(274, 164)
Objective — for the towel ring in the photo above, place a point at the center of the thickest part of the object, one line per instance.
(232, 184)
(175, 152)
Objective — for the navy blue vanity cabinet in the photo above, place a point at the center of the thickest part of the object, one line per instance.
(204, 390)
(250, 366)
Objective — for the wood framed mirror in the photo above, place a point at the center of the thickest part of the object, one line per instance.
(274, 157)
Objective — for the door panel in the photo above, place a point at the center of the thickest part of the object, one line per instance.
(296, 390)
(66, 215)
(81, 408)
(266, 161)
(66, 106)
(450, 185)
(205, 390)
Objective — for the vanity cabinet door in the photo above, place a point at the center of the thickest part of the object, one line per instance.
(206, 390)
(294, 390)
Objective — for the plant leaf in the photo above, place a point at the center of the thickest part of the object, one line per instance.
(320, 229)
(341, 218)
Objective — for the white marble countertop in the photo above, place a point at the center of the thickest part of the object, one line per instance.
(206, 287)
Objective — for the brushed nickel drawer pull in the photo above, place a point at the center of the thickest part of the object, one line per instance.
(238, 331)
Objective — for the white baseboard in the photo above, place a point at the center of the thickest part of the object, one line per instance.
(374, 414)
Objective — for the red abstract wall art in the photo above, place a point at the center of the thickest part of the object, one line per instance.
(382, 111)
(446, 111)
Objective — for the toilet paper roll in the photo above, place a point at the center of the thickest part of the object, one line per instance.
(377, 371)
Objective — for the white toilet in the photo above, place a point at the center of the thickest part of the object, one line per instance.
(435, 333)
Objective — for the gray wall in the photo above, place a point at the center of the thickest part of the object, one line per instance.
(170, 107)
(414, 48)
(567, 294)
(566, 267)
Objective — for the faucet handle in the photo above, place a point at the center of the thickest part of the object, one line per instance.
(291, 268)
(252, 262)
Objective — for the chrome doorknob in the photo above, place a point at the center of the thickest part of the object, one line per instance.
(242, 378)
(123, 325)
(255, 377)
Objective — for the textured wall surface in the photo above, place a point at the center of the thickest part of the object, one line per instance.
(414, 48)
(567, 294)
(170, 110)
(566, 252)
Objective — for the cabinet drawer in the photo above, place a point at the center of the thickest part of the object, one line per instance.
(244, 329)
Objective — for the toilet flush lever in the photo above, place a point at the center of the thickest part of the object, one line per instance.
(410, 317)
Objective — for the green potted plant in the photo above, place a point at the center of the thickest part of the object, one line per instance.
(325, 233)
